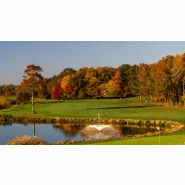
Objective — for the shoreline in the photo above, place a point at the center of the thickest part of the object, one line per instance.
(171, 126)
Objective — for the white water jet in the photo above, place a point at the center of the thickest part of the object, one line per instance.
(99, 127)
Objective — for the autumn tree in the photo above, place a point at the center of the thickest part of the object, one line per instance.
(66, 86)
(90, 73)
(65, 83)
(92, 87)
(53, 81)
(65, 72)
(163, 80)
(57, 91)
(104, 74)
(32, 78)
(32, 81)
(103, 90)
(144, 80)
(113, 87)
(178, 74)
(8, 90)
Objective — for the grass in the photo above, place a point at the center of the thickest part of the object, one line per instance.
(111, 108)
(10, 97)
(154, 140)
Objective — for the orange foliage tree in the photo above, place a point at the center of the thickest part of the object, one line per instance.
(33, 80)
(163, 80)
(65, 83)
(113, 87)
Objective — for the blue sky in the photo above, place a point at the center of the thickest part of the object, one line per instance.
(53, 57)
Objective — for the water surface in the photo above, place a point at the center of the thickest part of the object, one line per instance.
(63, 132)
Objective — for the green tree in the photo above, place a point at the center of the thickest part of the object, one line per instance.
(79, 83)
(130, 81)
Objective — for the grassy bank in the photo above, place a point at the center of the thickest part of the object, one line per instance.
(128, 108)
(169, 139)
(115, 109)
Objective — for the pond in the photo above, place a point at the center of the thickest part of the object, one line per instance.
(63, 132)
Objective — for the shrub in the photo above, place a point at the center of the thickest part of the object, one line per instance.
(59, 143)
(27, 140)
(6, 118)
(4, 103)
(22, 98)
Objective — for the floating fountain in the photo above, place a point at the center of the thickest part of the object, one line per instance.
(99, 126)
(100, 131)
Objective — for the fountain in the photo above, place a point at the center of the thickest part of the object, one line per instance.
(99, 130)
(98, 126)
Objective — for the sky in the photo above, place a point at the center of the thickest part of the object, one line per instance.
(55, 56)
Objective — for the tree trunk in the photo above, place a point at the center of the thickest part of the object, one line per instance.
(32, 102)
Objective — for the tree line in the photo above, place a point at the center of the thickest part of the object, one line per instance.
(7, 90)
(91, 83)
(158, 82)
(85, 83)
(163, 81)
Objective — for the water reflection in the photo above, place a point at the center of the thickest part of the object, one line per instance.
(128, 130)
(64, 132)
(33, 129)
(69, 130)
(100, 132)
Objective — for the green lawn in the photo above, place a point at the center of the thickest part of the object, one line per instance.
(115, 109)
(155, 140)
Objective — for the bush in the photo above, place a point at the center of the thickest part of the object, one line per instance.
(27, 140)
(22, 98)
(4, 103)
